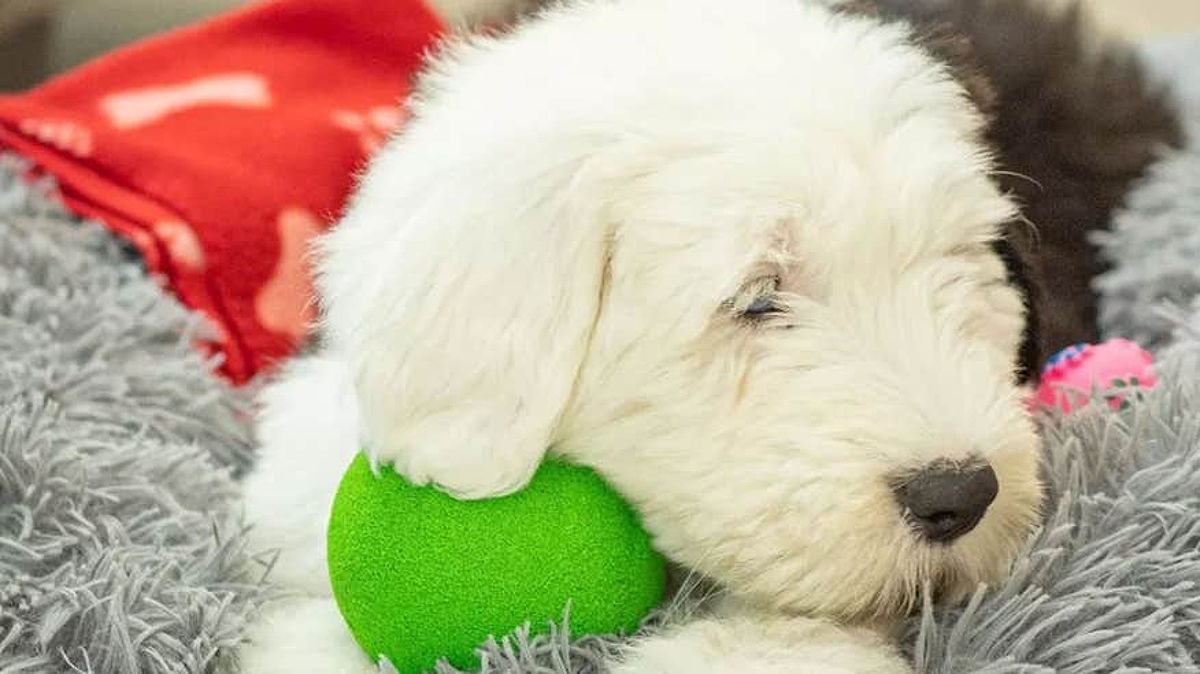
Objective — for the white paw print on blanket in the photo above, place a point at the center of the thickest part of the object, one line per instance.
(186, 251)
(284, 304)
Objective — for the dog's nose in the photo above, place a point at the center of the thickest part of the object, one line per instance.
(945, 501)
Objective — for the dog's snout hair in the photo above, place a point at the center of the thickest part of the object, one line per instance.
(739, 257)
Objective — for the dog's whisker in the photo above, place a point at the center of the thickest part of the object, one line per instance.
(1014, 174)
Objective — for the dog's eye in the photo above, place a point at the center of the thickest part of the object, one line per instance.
(758, 300)
(761, 306)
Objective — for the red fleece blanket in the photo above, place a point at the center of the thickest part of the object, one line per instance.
(220, 150)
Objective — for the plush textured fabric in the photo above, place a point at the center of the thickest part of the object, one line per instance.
(1108, 584)
(120, 543)
(219, 150)
(1154, 245)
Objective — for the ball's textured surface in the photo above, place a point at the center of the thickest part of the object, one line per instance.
(419, 575)
(1071, 374)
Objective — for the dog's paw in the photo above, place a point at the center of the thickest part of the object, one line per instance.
(302, 635)
(469, 456)
(761, 645)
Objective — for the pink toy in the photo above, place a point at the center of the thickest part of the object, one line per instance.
(1071, 374)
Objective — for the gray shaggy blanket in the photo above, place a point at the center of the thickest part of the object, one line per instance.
(1155, 242)
(121, 547)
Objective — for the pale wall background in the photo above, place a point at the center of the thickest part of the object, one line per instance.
(1148, 18)
(89, 26)
(73, 31)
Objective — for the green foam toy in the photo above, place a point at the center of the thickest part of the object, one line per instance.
(419, 575)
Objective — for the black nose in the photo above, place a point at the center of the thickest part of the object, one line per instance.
(945, 501)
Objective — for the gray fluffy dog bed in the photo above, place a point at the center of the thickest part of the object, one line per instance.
(121, 547)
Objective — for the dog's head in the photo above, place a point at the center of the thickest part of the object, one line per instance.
(739, 257)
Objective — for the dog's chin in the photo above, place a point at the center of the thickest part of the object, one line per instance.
(983, 558)
(931, 572)
(951, 574)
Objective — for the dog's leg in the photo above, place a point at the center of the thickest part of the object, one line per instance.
(748, 644)
(308, 434)
(302, 635)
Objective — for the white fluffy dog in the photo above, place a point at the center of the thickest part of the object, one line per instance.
(735, 255)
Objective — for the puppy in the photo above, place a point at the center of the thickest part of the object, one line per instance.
(749, 260)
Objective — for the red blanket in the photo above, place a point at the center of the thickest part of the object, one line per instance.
(220, 150)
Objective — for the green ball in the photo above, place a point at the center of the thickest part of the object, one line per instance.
(419, 575)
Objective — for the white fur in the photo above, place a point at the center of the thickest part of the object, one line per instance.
(757, 644)
(303, 636)
(547, 258)
(308, 412)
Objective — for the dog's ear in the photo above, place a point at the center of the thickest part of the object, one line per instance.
(462, 286)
